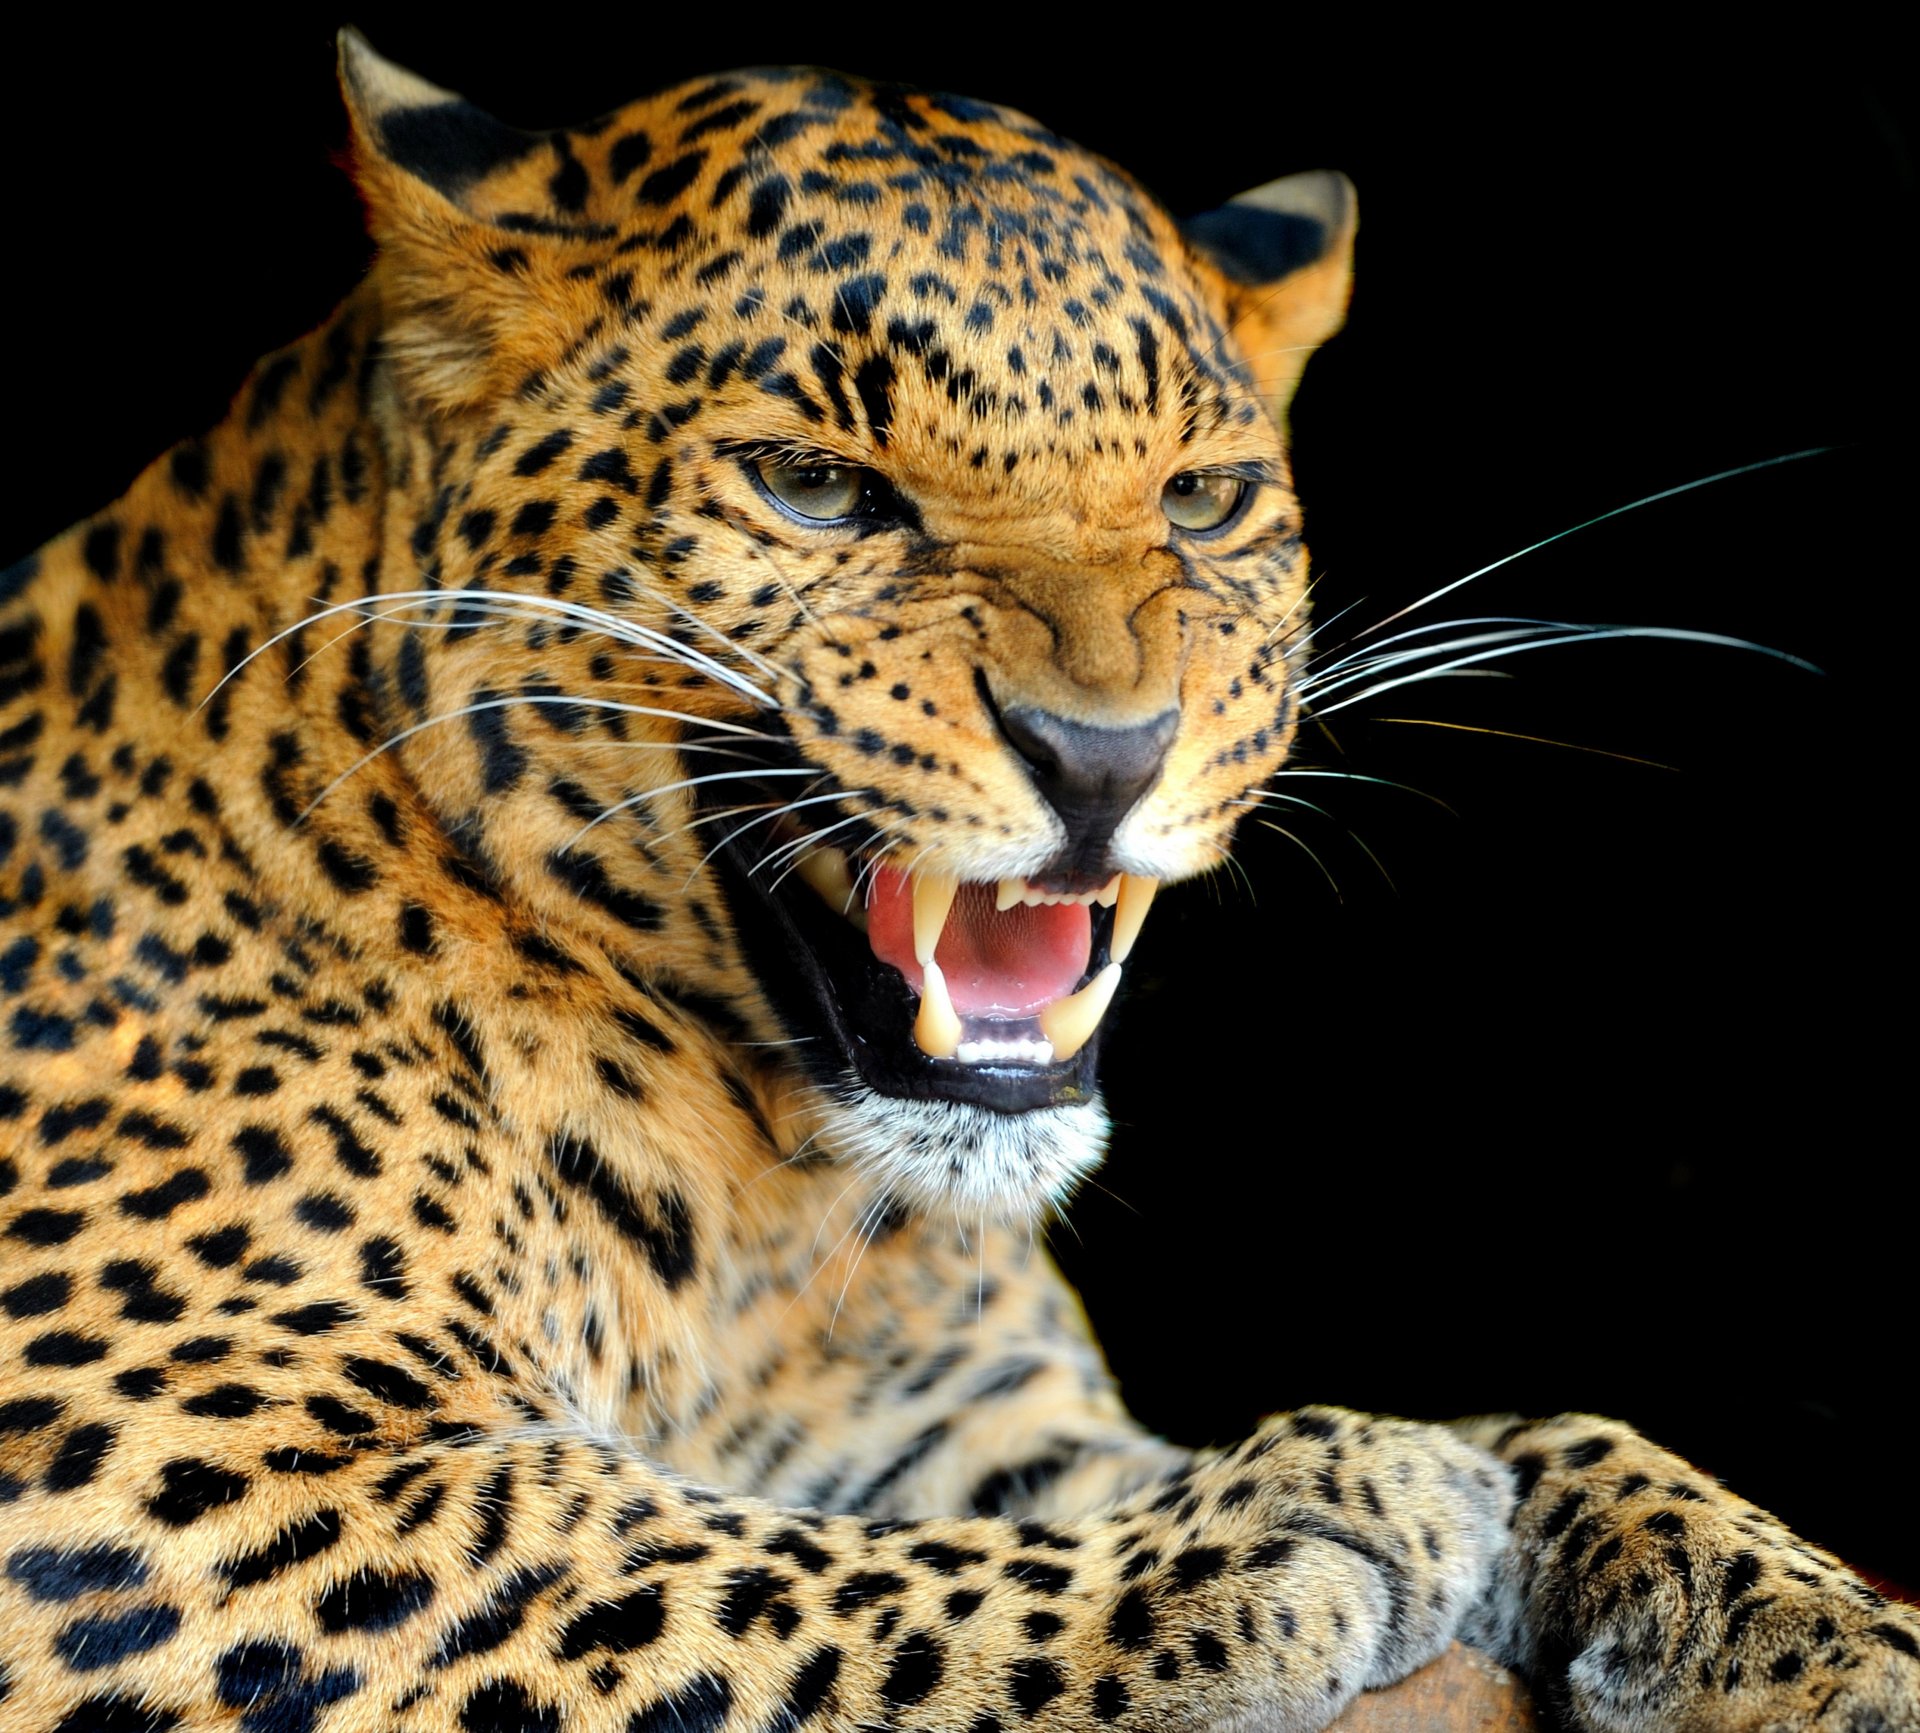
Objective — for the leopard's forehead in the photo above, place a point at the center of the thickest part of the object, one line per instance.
(979, 287)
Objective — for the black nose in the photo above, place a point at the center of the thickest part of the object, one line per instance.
(1092, 777)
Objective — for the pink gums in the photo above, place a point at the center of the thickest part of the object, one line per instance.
(997, 963)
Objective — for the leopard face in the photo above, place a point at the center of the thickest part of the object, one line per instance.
(881, 521)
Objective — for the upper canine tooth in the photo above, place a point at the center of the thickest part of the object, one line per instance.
(1068, 1023)
(1010, 892)
(1131, 910)
(933, 895)
(936, 1029)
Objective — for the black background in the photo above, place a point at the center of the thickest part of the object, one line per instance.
(1602, 1103)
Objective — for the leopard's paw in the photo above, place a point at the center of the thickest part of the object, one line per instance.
(1643, 1598)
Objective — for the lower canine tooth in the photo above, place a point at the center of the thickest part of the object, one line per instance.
(1068, 1023)
(826, 870)
(932, 896)
(936, 1030)
(1129, 914)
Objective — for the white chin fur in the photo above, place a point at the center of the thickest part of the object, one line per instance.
(948, 1157)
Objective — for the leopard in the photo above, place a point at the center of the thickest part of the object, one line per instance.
(564, 870)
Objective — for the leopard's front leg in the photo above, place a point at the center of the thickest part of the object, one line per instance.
(1643, 1598)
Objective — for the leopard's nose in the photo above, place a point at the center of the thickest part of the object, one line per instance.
(1091, 776)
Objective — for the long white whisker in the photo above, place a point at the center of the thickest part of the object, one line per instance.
(465, 710)
(647, 794)
(1581, 636)
(623, 631)
(1268, 824)
(1617, 511)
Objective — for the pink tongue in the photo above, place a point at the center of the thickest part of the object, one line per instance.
(997, 964)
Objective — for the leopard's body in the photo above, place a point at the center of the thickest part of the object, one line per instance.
(430, 1294)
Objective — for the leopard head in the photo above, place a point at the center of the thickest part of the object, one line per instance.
(881, 513)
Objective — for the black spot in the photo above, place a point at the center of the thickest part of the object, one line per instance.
(1895, 1638)
(670, 180)
(587, 878)
(114, 1713)
(297, 1541)
(342, 1419)
(1110, 1699)
(622, 1625)
(1131, 1624)
(189, 1488)
(45, 1227)
(351, 873)
(495, 1622)
(263, 1153)
(224, 1402)
(700, 1705)
(1198, 1564)
(387, 1383)
(315, 1319)
(349, 1148)
(87, 1645)
(37, 1295)
(1742, 1573)
(65, 1573)
(1033, 1684)
(64, 1348)
(664, 1233)
(268, 1680)
(537, 457)
(416, 929)
(630, 151)
(156, 1201)
(221, 1248)
(1587, 1452)
(383, 1267)
(1038, 1575)
(373, 1600)
(918, 1666)
(1209, 1651)
(503, 1706)
(863, 1588)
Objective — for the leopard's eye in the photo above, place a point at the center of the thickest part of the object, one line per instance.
(818, 492)
(1201, 499)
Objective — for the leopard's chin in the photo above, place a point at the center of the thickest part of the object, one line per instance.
(969, 1163)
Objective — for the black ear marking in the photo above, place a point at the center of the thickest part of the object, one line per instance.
(450, 145)
(1277, 229)
(427, 132)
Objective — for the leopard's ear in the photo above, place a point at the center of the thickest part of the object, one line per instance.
(475, 285)
(1286, 251)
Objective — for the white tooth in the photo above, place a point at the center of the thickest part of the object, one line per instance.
(1032, 898)
(932, 897)
(1011, 892)
(827, 871)
(1109, 892)
(936, 1030)
(1069, 1022)
(1135, 894)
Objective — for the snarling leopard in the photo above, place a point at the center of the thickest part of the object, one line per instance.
(563, 871)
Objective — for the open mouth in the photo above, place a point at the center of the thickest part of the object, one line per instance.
(994, 994)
